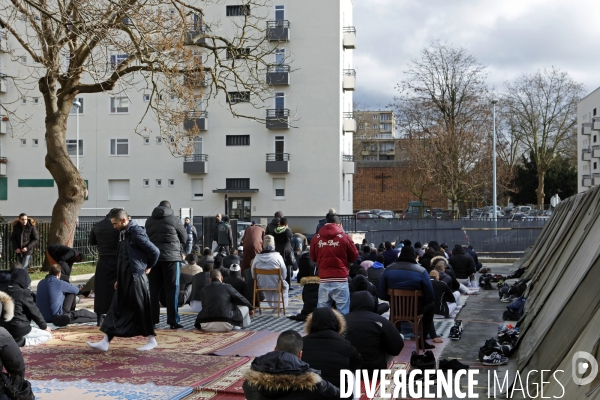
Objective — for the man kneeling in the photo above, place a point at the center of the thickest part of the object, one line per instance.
(223, 308)
(56, 300)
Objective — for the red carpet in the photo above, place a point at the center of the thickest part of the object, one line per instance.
(255, 345)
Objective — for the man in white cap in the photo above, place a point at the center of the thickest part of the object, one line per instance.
(235, 280)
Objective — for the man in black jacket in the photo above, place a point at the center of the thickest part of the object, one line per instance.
(281, 374)
(273, 224)
(225, 236)
(235, 280)
(374, 336)
(223, 308)
(166, 232)
(19, 310)
(106, 238)
(462, 264)
(24, 238)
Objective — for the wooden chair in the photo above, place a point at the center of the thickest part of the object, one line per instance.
(403, 308)
(278, 289)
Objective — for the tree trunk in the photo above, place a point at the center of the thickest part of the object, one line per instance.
(540, 189)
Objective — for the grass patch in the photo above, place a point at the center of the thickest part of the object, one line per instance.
(78, 269)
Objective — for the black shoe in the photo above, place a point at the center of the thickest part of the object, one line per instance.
(427, 345)
(452, 365)
(61, 320)
(176, 326)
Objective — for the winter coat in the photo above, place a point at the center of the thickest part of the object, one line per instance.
(407, 276)
(191, 269)
(271, 227)
(19, 309)
(310, 296)
(141, 253)
(371, 334)
(333, 251)
(105, 237)
(462, 264)
(443, 295)
(283, 244)
(299, 241)
(269, 260)
(224, 235)
(202, 261)
(325, 347)
(283, 376)
(253, 241)
(230, 260)
(425, 261)
(390, 256)
(374, 273)
(199, 281)
(167, 233)
(24, 236)
(11, 357)
(321, 224)
(240, 285)
(219, 304)
(306, 267)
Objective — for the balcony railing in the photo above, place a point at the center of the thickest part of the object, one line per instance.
(195, 118)
(350, 29)
(586, 128)
(278, 74)
(348, 158)
(278, 68)
(196, 158)
(349, 37)
(596, 124)
(196, 114)
(278, 157)
(278, 113)
(350, 72)
(278, 118)
(586, 155)
(278, 31)
(196, 34)
(349, 115)
(349, 81)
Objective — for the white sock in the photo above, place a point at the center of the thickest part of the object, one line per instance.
(101, 345)
(150, 345)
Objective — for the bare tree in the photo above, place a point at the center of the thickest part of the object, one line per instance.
(544, 108)
(166, 49)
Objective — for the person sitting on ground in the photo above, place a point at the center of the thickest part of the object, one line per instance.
(199, 281)
(56, 300)
(325, 347)
(445, 303)
(433, 249)
(306, 266)
(191, 268)
(206, 258)
(473, 254)
(462, 264)
(374, 273)
(440, 264)
(281, 374)
(21, 305)
(65, 257)
(390, 254)
(270, 259)
(310, 295)
(223, 308)
(5, 275)
(361, 283)
(375, 337)
(406, 274)
(231, 259)
(235, 280)
(218, 265)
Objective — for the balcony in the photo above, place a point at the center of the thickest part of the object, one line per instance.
(195, 119)
(586, 155)
(596, 180)
(586, 181)
(196, 35)
(2, 83)
(3, 166)
(278, 118)
(195, 79)
(348, 166)
(365, 153)
(596, 151)
(349, 37)
(195, 164)
(278, 163)
(349, 122)
(278, 31)
(3, 123)
(349, 82)
(596, 124)
(586, 128)
(278, 75)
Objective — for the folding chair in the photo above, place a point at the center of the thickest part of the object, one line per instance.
(403, 308)
(278, 289)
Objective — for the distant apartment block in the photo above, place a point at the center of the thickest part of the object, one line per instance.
(588, 141)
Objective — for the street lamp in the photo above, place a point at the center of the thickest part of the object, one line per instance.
(494, 102)
(78, 105)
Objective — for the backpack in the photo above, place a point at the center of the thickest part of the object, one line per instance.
(514, 311)
(485, 282)
(518, 288)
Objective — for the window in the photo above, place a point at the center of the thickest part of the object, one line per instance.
(23, 100)
(197, 189)
(23, 142)
(385, 117)
(119, 147)
(146, 182)
(35, 142)
(595, 138)
(118, 189)
(74, 108)
(158, 140)
(279, 13)
(595, 165)
(237, 11)
(361, 127)
(386, 127)
(119, 105)
(237, 183)
(279, 188)
(237, 140)
(386, 146)
(375, 126)
(159, 183)
(36, 100)
(374, 116)
(72, 147)
(146, 140)
(117, 59)
(238, 53)
(279, 145)
(279, 101)
(594, 112)
(171, 182)
(238, 97)
(146, 98)
(23, 59)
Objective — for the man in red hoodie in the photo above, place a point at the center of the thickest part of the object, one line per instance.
(333, 251)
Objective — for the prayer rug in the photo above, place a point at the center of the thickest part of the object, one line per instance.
(84, 390)
(255, 345)
(197, 342)
(226, 386)
(126, 366)
(375, 393)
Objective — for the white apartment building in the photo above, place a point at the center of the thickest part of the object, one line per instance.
(588, 141)
(301, 167)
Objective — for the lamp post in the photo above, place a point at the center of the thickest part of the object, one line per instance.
(494, 102)
(78, 105)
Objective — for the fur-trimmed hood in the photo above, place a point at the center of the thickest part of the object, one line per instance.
(309, 280)
(435, 259)
(8, 306)
(325, 319)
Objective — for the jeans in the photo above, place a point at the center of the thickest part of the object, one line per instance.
(24, 260)
(335, 291)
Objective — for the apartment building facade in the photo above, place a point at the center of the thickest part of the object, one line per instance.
(588, 141)
(299, 161)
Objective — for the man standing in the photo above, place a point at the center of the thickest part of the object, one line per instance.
(273, 224)
(253, 244)
(106, 238)
(224, 235)
(130, 313)
(192, 235)
(333, 251)
(24, 238)
(215, 233)
(167, 233)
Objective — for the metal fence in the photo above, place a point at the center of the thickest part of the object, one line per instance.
(510, 238)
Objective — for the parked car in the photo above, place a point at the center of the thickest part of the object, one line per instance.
(241, 229)
(387, 214)
(366, 215)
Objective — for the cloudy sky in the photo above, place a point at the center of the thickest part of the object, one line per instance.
(511, 37)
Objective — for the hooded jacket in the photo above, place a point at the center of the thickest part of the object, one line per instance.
(281, 375)
(269, 260)
(325, 347)
(408, 276)
(390, 255)
(105, 237)
(140, 252)
(448, 277)
(333, 251)
(310, 296)
(271, 226)
(371, 334)
(462, 264)
(374, 273)
(443, 295)
(219, 303)
(166, 232)
(433, 250)
(306, 266)
(24, 236)
(23, 307)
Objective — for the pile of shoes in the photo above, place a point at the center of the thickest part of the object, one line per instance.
(485, 282)
(493, 353)
(451, 365)
(508, 335)
(497, 278)
(422, 362)
(456, 330)
(508, 294)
